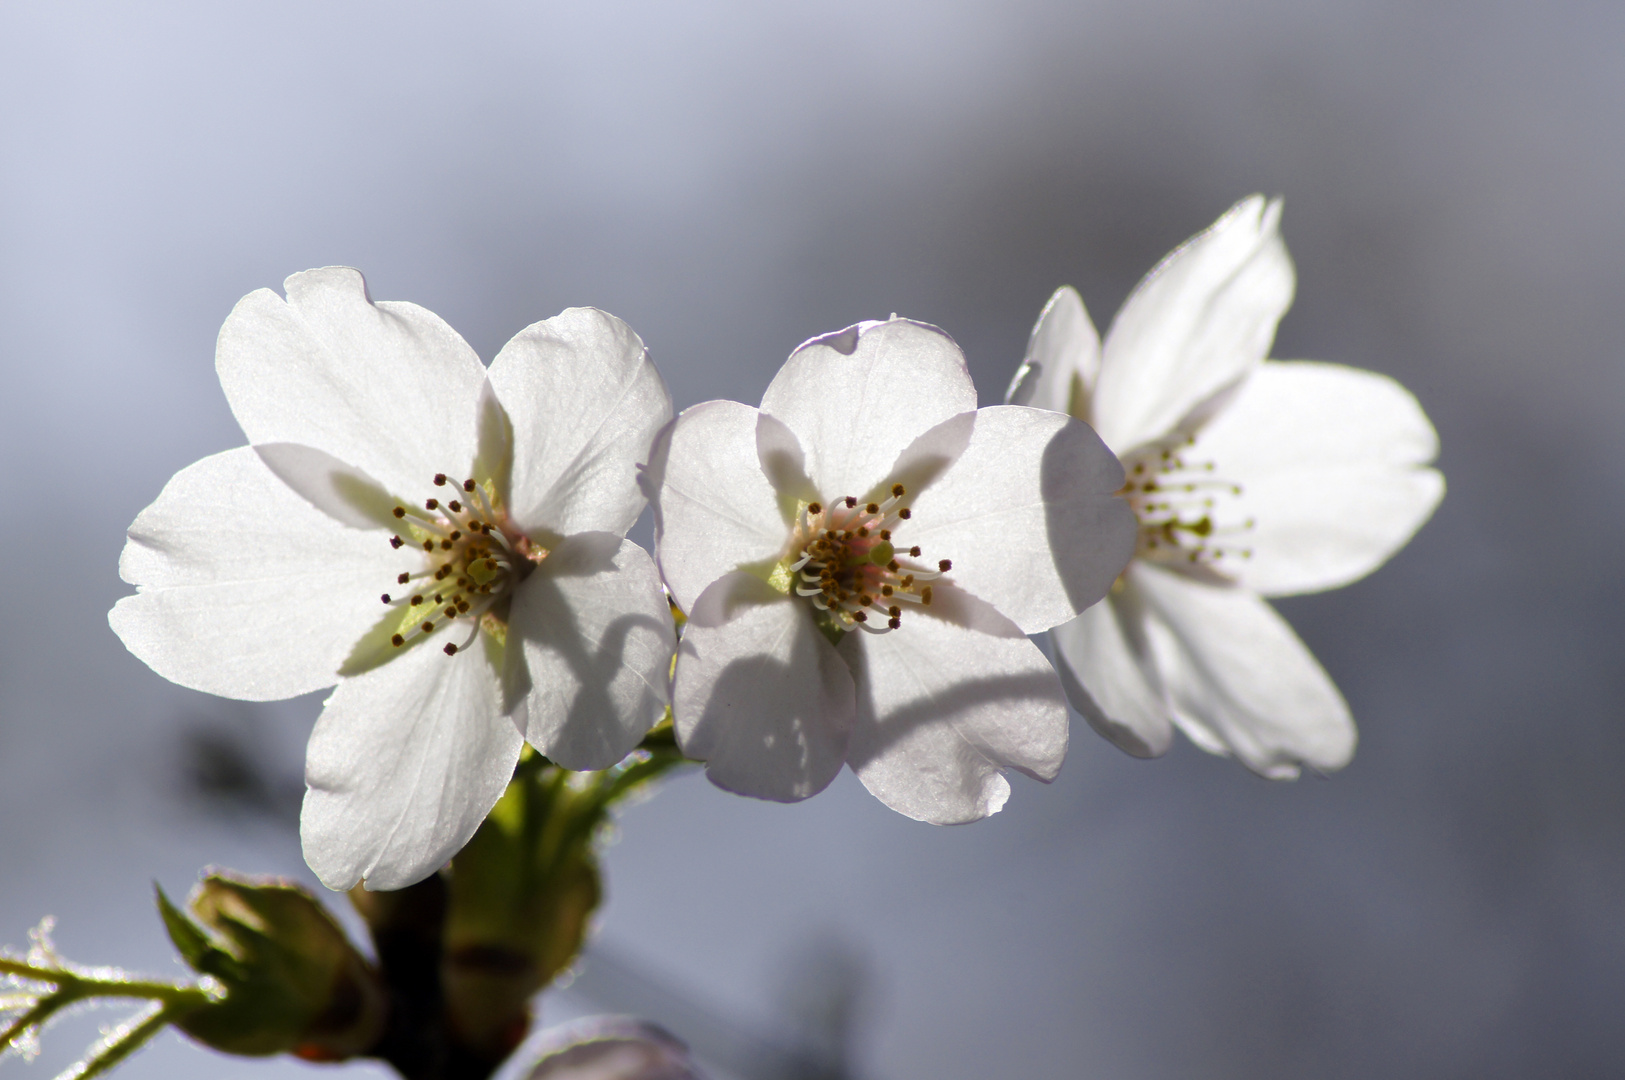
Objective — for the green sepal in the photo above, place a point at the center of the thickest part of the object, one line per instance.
(195, 947)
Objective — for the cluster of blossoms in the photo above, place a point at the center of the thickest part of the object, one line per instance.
(857, 563)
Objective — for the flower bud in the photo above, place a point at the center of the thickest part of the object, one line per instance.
(292, 980)
(520, 894)
(602, 1048)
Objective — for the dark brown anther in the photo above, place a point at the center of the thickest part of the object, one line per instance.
(885, 534)
(914, 552)
(905, 513)
(945, 565)
(386, 598)
(885, 590)
(428, 627)
(455, 507)
(863, 530)
(468, 485)
(872, 508)
(851, 502)
(431, 504)
(439, 479)
(445, 545)
(451, 650)
(403, 579)
(895, 623)
(925, 595)
(396, 542)
(814, 508)
(894, 611)
(400, 511)
(456, 534)
(864, 599)
(897, 490)
(397, 641)
(894, 566)
(860, 616)
(428, 545)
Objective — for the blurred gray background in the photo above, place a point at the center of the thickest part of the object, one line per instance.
(733, 178)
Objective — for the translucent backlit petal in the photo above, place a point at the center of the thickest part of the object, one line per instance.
(1062, 361)
(1240, 679)
(388, 388)
(856, 399)
(945, 704)
(1331, 462)
(759, 694)
(714, 508)
(403, 765)
(585, 402)
(1201, 320)
(596, 639)
(244, 588)
(1028, 517)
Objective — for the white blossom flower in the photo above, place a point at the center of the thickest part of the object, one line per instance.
(1250, 478)
(861, 560)
(398, 503)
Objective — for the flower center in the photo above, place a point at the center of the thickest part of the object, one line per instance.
(472, 563)
(844, 561)
(1177, 502)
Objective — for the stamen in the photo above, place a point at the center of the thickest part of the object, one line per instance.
(468, 546)
(845, 564)
(1181, 506)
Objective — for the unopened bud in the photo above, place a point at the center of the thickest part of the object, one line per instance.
(520, 896)
(602, 1048)
(293, 982)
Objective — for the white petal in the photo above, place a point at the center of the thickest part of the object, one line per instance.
(759, 695)
(1203, 318)
(342, 492)
(1028, 516)
(388, 388)
(1063, 358)
(596, 640)
(714, 509)
(244, 588)
(585, 402)
(405, 762)
(856, 399)
(1110, 677)
(1241, 680)
(945, 703)
(1331, 464)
